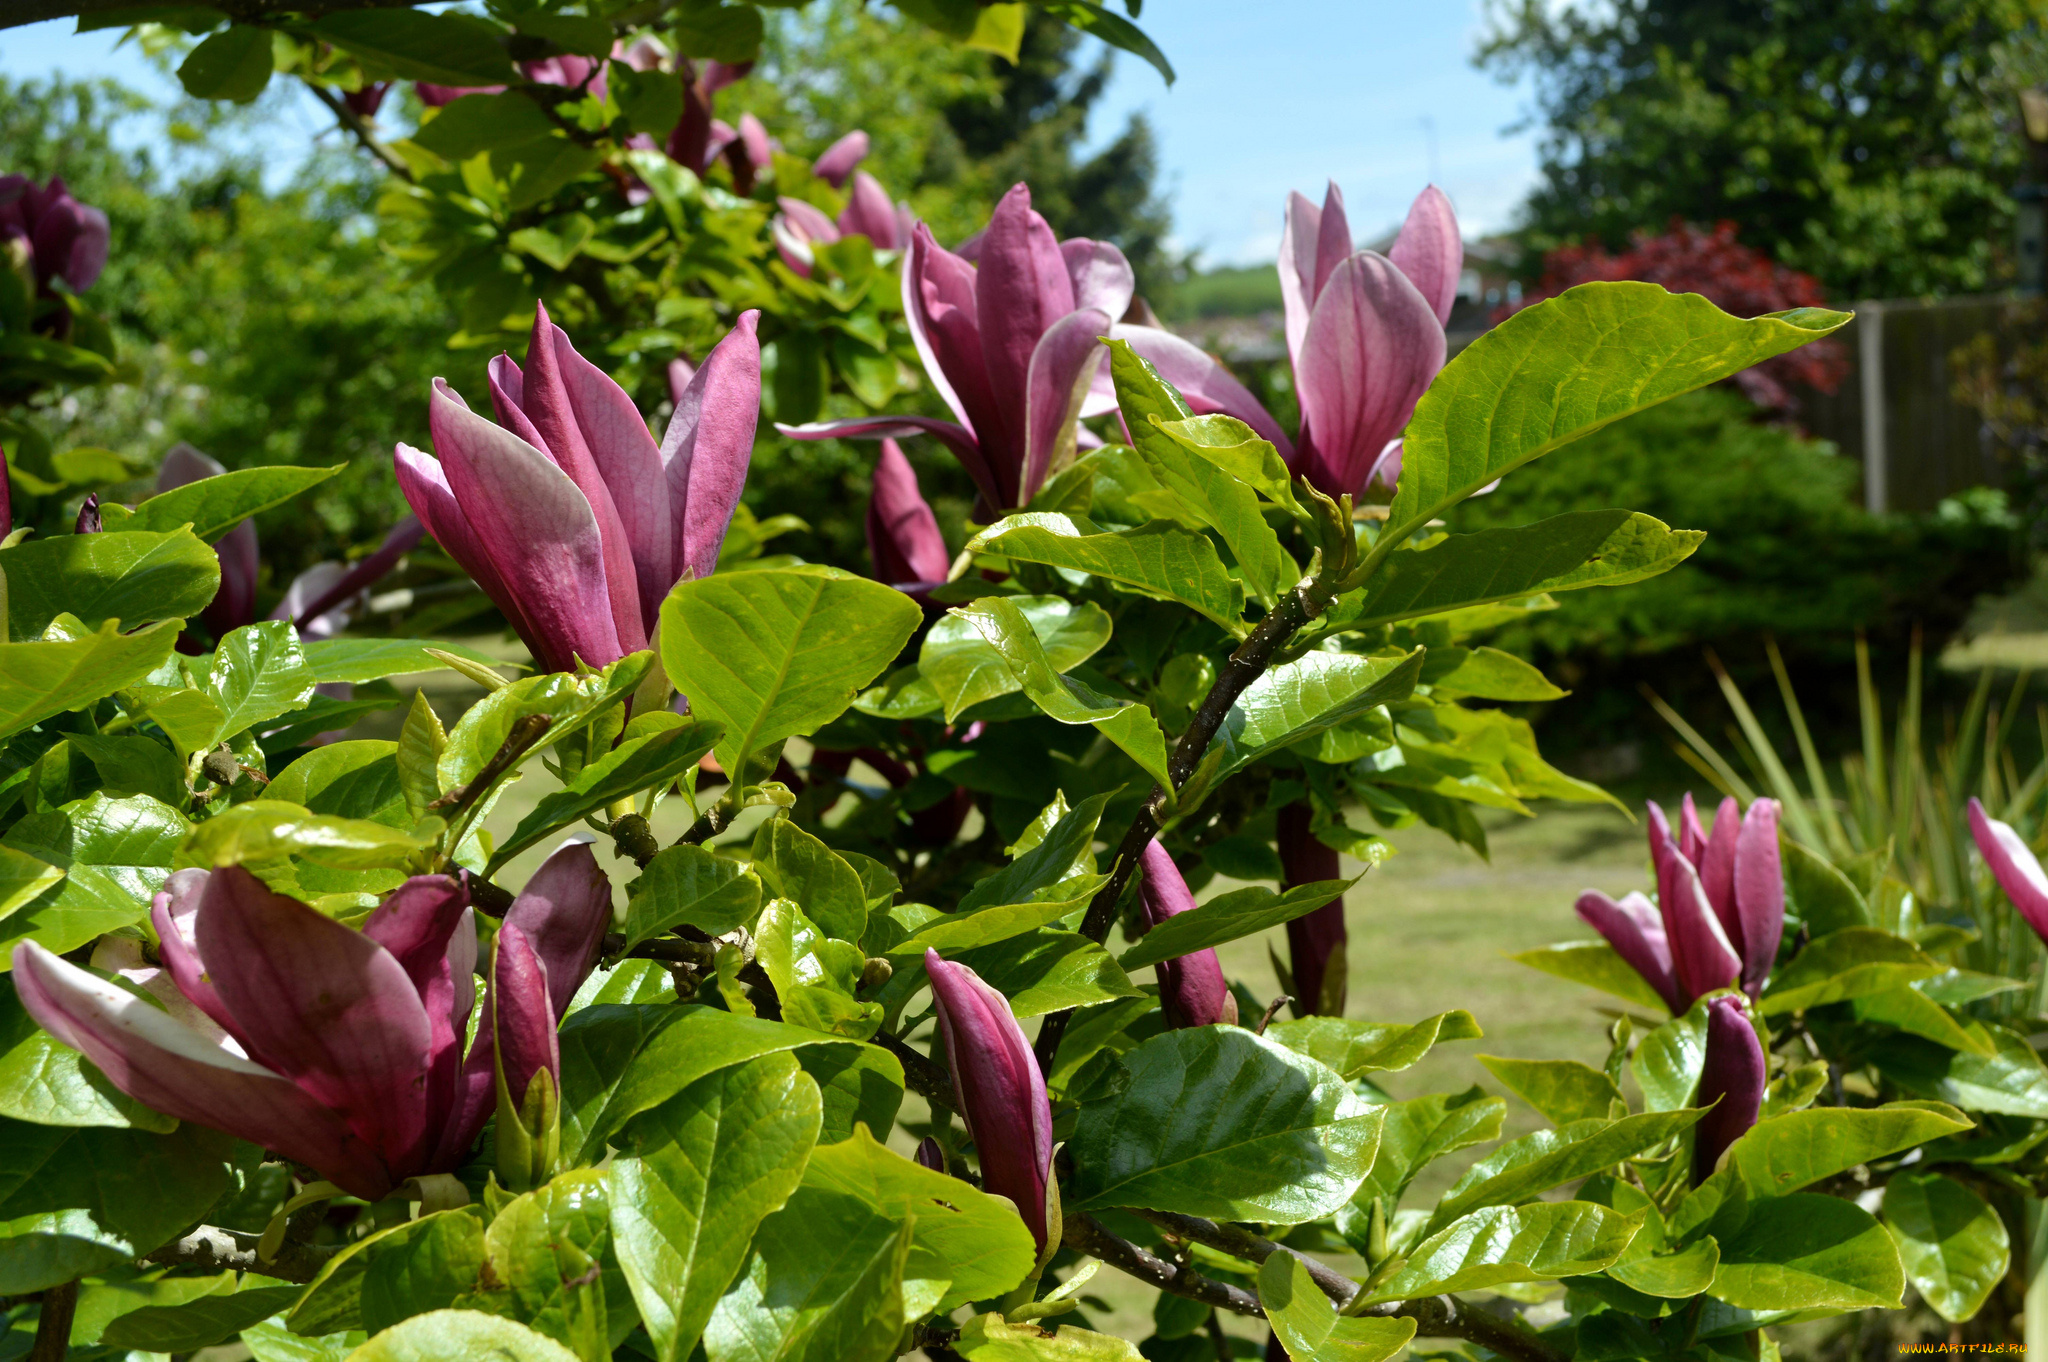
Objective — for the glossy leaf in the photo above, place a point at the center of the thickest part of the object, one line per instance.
(1807, 1252)
(638, 764)
(357, 660)
(263, 830)
(689, 886)
(1307, 1323)
(1356, 1048)
(570, 703)
(964, 670)
(133, 578)
(1046, 866)
(447, 48)
(383, 1278)
(115, 854)
(1851, 963)
(358, 779)
(1299, 699)
(1160, 559)
(859, 1084)
(824, 1284)
(2012, 1080)
(213, 506)
(72, 667)
(795, 865)
(1594, 964)
(1952, 1244)
(1800, 1148)
(1423, 1129)
(1668, 1061)
(197, 1324)
(258, 673)
(1502, 1244)
(815, 976)
(1564, 1090)
(442, 1334)
(1230, 917)
(1525, 1168)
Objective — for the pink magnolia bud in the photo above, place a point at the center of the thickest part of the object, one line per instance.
(1315, 937)
(1191, 988)
(1732, 1081)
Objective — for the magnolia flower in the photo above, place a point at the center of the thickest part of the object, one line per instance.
(929, 1155)
(698, 138)
(903, 534)
(1191, 987)
(1315, 940)
(568, 71)
(1720, 910)
(366, 100)
(566, 512)
(65, 239)
(1011, 342)
(1001, 1092)
(235, 603)
(1365, 334)
(320, 600)
(338, 1049)
(800, 226)
(2014, 865)
(838, 160)
(1731, 1083)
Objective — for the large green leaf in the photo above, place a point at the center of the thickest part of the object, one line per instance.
(213, 506)
(1049, 864)
(1523, 1169)
(1356, 1048)
(1668, 1061)
(688, 886)
(201, 1323)
(1300, 699)
(133, 578)
(1594, 964)
(70, 667)
(779, 652)
(963, 670)
(1563, 369)
(1422, 1129)
(357, 779)
(1502, 1244)
(23, 879)
(973, 1245)
(824, 1284)
(794, 865)
(1807, 1252)
(235, 64)
(1800, 1148)
(1131, 726)
(258, 673)
(73, 1201)
(440, 1335)
(638, 764)
(546, 1260)
(1952, 1244)
(115, 853)
(1818, 892)
(48, 1083)
(264, 830)
(1045, 971)
(1850, 963)
(483, 122)
(452, 49)
(128, 764)
(569, 703)
(1218, 1122)
(860, 1085)
(372, 659)
(381, 1279)
(2012, 1081)
(1229, 917)
(1307, 1323)
(1563, 553)
(1564, 1090)
(1160, 559)
(700, 1172)
(815, 976)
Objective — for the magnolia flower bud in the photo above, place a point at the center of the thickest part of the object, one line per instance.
(1191, 988)
(1001, 1092)
(1732, 1082)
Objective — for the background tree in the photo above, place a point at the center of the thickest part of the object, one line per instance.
(1861, 141)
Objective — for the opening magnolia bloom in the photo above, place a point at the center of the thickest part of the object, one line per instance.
(339, 1049)
(65, 239)
(565, 511)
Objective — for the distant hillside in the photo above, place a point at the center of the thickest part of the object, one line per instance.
(1246, 291)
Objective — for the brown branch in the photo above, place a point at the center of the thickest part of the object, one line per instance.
(1253, 1248)
(1084, 1234)
(53, 1324)
(633, 838)
(214, 1250)
(353, 122)
(526, 732)
(15, 13)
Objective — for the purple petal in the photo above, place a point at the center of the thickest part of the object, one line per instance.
(903, 535)
(1386, 469)
(2014, 865)
(680, 372)
(870, 213)
(1717, 867)
(429, 928)
(402, 539)
(956, 438)
(564, 912)
(929, 1155)
(840, 158)
(706, 449)
(184, 464)
(1002, 1093)
(1702, 959)
(1191, 987)
(234, 605)
(1731, 1081)
(1333, 239)
(537, 529)
(555, 414)
(809, 220)
(173, 914)
(425, 488)
(1062, 367)
(1659, 829)
(1636, 932)
(1430, 252)
(324, 1006)
(168, 1068)
(1302, 226)
(1206, 385)
(940, 307)
(1311, 938)
(1101, 277)
(1373, 345)
(1759, 893)
(1020, 290)
(522, 1023)
(1692, 838)
(760, 147)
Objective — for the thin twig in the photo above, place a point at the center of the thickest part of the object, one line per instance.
(349, 119)
(1253, 1248)
(1084, 1234)
(1272, 1011)
(1219, 1341)
(215, 1250)
(526, 731)
(53, 1325)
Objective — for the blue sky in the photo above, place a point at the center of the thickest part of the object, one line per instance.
(1379, 95)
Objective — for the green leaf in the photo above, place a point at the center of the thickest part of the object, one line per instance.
(569, 702)
(1046, 971)
(357, 779)
(1044, 868)
(618, 1061)
(258, 673)
(233, 64)
(1159, 559)
(442, 1334)
(1501, 1244)
(1668, 1061)
(1218, 1122)
(1423, 1129)
(213, 506)
(779, 652)
(1594, 964)
(1308, 1325)
(991, 1338)
(70, 668)
(1800, 1148)
(1809, 1252)
(133, 578)
(964, 670)
(116, 854)
(1113, 29)
(1129, 725)
(1816, 891)
(698, 1174)
(372, 659)
(1913, 1011)
(412, 1267)
(2012, 1081)
(1564, 1090)
(448, 49)
(545, 1262)
(1299, 699)
(815, 976)
(651, 101)
(1356, 1048)
(103, 1302)
(638, 764)
(688, 886)
(73, 1201)
(1563, 369)
(971, 1245)
(1952, 1244)
(1851, 963)
(197, 1324)
(1488, 674)
(128, 765)
(1525, 1168)
(1230, 917)
(477, 123)
(48, 1083)
(1671, 1276)
(824, 1284)
(1563, 553)
(797, 866)
(263, 830)
(861, 1085)
(23, 879)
